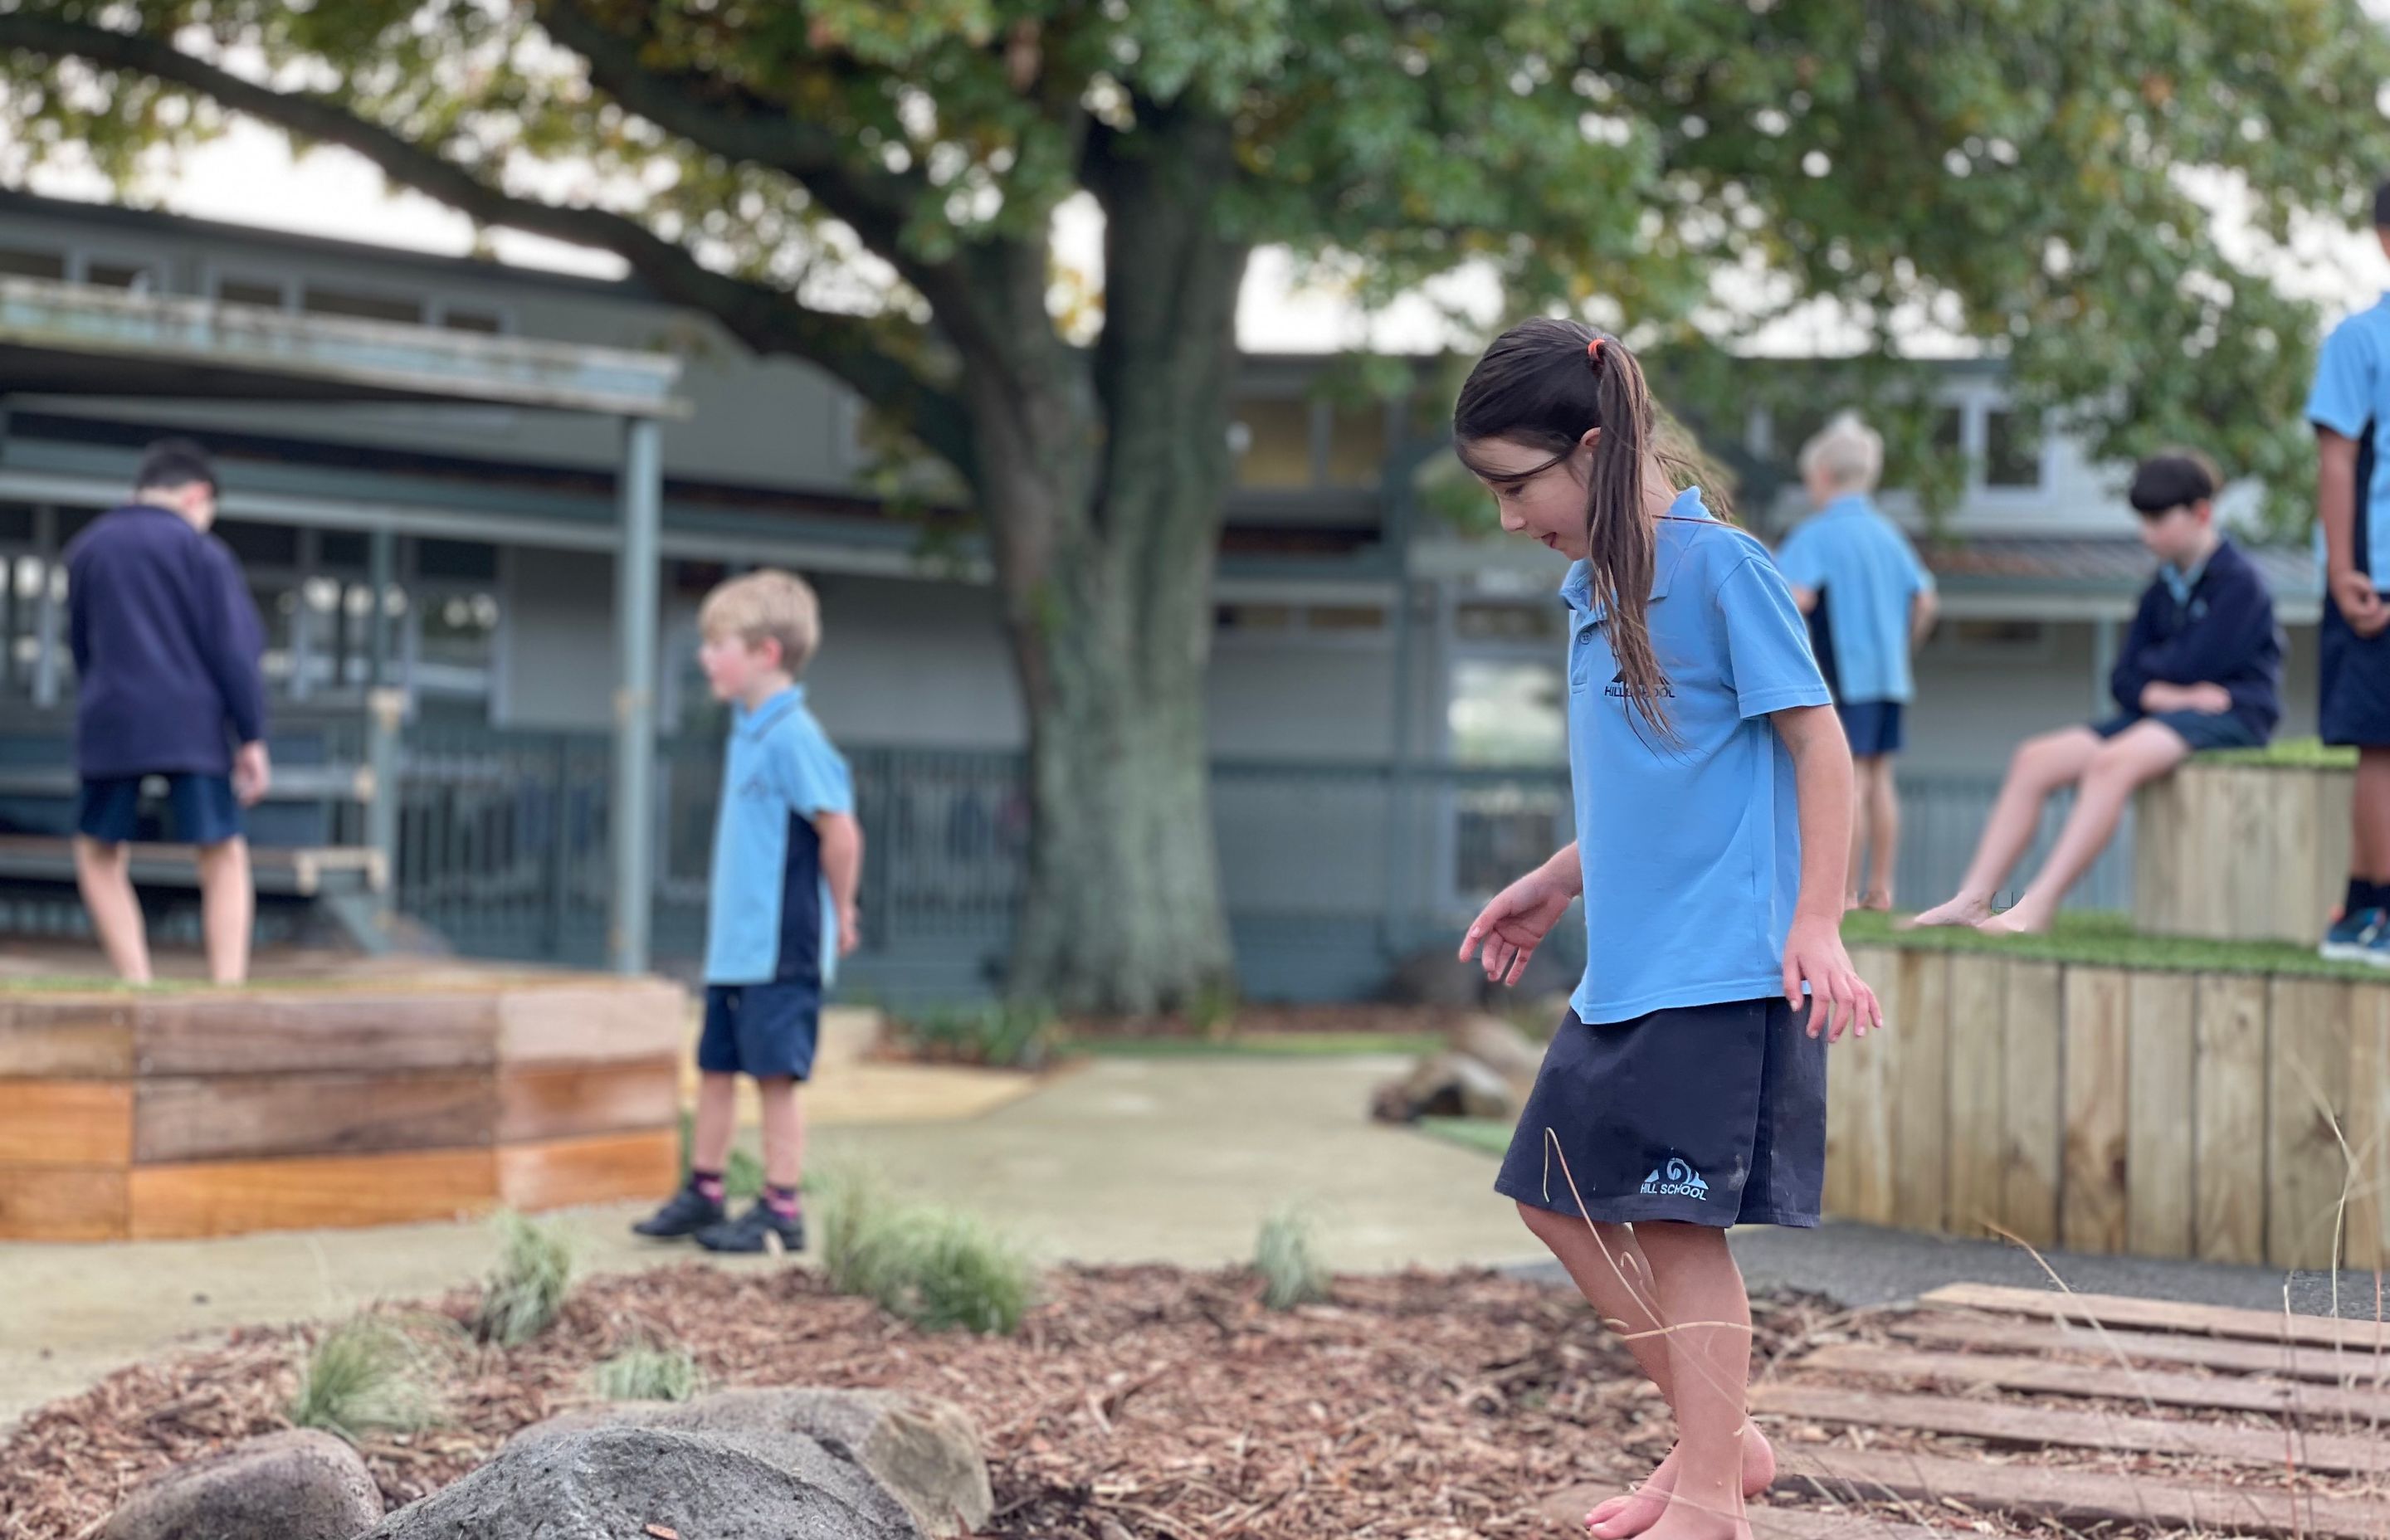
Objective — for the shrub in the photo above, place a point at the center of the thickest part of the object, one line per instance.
(364, 1373)
(930, 1265)
(1289, 1268)
(525, 1293)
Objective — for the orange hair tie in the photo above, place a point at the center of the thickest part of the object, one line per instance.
(1593, 350)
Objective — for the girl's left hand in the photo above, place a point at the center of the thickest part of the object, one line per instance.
(1812, 954)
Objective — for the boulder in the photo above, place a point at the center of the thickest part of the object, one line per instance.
(626, 1482)
(1448, 1084)
(921, 1451)
(295, 1485)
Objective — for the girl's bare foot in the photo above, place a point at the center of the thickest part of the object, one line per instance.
(1880, 901)
(2019, 921)
(1685, 1520)
(1630, 1513)
(1961, 910)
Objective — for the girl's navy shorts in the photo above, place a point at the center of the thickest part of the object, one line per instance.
(1702, 1115)
(2353, 682)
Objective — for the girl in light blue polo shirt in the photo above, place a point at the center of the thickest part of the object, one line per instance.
(1686, 1091)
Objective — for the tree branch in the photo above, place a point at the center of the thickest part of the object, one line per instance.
(855, 348)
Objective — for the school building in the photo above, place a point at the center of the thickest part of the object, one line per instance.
(1385, 707)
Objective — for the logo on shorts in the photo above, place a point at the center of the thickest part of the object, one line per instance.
(1677, 1180)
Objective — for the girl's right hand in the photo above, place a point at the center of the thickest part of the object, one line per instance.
(1516, 920)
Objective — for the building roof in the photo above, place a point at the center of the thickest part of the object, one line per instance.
(2091, 563)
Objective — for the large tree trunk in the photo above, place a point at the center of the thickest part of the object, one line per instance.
(1107, 517)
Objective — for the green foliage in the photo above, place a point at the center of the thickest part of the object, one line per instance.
(930, 1265)
(1288, 1264)
(2288, 754)
(647, 1372)
(2109, 941)
(1007, 1035)
(526, 1291)
(363, 1374)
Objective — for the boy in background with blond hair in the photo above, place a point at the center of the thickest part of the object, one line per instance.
(787, 854)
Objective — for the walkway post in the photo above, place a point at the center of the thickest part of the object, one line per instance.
(640, 485)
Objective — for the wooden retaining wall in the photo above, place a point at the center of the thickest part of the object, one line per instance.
(154, 1116)
(2230, 1117)
(2240, 851)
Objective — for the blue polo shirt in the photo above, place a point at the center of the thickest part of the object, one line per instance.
(770, 918)
(1692, 848)
(1866, 575)
(2352, 398)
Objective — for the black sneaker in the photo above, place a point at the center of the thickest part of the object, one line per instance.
(754, 1231)
(686, 1212)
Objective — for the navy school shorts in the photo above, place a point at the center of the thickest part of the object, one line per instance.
(1873, 727)
(766, 1030)
(2353, 684)
(201, 809)
(1700, 1115)
(2202, 730)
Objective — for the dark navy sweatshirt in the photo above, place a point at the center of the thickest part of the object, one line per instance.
(2224, 633)
(166, 643)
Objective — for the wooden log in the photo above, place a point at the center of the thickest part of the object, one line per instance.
(2367, 1240)
(2124, 1310)
(2307, 1167)
(70, 1036)
(2229, 1135)
(290, 1031)
(555, 1101)
(2091, 1203)
(1920, 1079)
(1872, 1154)
(558, 1173)
(1973, 1165)
(2160, 1110)
(2030, 1036)
(230, 1117)
(581, 1024)
(2308, 1405)
(62, 1202)
(234, 1196)
(66, 1122)
(2118, 1345)
(2006, 1422)
(2076, 1496)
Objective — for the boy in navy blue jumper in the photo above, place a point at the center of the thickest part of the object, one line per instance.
(166, 643)
(2349, 408)
(787, 854)
(2202, 669)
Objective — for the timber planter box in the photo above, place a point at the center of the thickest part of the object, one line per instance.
(145, 1115)
(2234, 847)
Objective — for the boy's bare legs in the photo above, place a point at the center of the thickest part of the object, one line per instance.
(784, 1132)
(1862, 806)
(2142, 753)
(717, 1118)
(227, 908)
(104, 873)
(2040, 766)
(1702, 1298)
(1883, 820)
(1608, 1268)
(2368, 847)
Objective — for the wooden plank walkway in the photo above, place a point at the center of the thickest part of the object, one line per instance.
(2352, 1367)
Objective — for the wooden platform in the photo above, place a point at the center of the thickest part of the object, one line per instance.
(1872, 1440)
(213, 1112)
(2239, 851)
(2232, 1117)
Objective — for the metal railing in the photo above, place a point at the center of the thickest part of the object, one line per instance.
(1329, 871)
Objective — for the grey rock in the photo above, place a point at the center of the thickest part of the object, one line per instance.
(613, 1483)
(1447, 1085)
(295, 1485)
(1500, 1047)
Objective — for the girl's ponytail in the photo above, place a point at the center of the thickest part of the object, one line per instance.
(1621, 540)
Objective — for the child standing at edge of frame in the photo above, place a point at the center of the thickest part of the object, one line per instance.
(2348, 408)
(787, 854)
(1685, 1090)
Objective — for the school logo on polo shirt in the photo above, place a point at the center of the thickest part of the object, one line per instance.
(1677, 1180)
(1617, 690)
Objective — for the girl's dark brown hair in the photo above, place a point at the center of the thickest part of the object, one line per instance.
(1544, 383)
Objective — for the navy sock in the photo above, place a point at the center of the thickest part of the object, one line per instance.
(706, 1185)
(2376, 895)
(781, 1201)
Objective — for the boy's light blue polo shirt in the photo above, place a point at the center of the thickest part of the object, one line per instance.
(1868, 574)
(2352, 388)
(770, 917)
(1692, 849)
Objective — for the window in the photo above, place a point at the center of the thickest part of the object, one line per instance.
(1495, 621)
(2011, 450)
(250, 292)
(322, 299)
(1948, 423)
(1272, 441)
(1317, 622)
(466, 559)
(1344, 619)
(1356, 445)
(458, 319)
(1255, 619)
(107, 273)
(260, 545)
(2002, 641)
(16, 262)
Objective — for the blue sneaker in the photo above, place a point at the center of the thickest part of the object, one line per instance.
(2361, 937)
